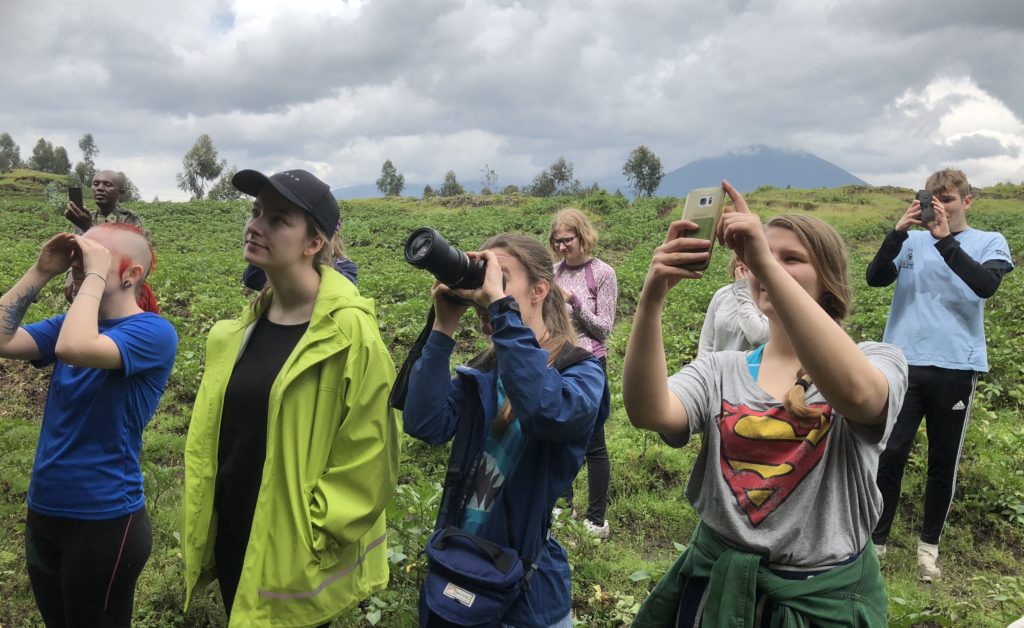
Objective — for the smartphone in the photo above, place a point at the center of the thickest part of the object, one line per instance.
(75, 196)
(704, 206)
(927, 211)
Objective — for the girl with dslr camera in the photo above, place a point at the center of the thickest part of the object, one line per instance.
(521, 413)
(790, 436)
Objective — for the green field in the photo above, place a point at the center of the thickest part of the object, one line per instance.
(198, 282)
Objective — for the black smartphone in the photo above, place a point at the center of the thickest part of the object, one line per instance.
(927, 211)
(75, 196)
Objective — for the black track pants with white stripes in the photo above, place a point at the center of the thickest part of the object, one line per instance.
(943, 398)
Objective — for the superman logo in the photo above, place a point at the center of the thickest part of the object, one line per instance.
(765, 454)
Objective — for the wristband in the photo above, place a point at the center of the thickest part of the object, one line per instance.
(97, 274)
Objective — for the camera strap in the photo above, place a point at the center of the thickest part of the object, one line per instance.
(401, 388)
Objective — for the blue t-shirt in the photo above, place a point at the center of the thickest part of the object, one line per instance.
(87, 460)
(936, 318)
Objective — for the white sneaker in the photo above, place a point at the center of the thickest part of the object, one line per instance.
(880, 550)
(928, 561)
(601, 532)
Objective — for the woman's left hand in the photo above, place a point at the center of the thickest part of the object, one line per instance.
(493, 287)
(741, 231)
(95, 257)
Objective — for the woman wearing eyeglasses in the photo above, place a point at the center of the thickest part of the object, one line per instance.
(590, 290)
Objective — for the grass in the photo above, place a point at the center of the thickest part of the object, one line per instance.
(198, 282)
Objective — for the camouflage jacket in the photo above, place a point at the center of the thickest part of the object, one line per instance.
(118, 214)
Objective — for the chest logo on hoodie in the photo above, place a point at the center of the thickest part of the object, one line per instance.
(766, 454)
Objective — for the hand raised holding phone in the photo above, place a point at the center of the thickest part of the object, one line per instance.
(703, 208)
(75, 210)
(741, 230)
(672, 261)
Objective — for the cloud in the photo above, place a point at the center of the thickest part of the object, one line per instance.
(887, 90)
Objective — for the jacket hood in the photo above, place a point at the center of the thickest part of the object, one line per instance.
(336, 293)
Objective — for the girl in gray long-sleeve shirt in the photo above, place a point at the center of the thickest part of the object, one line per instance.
(733, 322)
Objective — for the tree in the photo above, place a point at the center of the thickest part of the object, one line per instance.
(199, 166)
(451, 185)
(86, 168)
(42, 156)
(561, 173)
(555, 179)
(131, 193)
(643, 171)
(391, 182)
(543, 184)
(488, 180)
(10, 153)
(223, 190)
(428, 192)
(61, 163)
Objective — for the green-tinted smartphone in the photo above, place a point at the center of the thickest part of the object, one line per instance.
(704, 206)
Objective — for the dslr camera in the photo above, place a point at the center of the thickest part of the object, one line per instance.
(427, 249)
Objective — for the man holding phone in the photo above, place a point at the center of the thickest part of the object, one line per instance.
(108, 187)
(943, 275)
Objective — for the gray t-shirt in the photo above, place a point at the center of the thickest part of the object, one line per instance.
(804, 495)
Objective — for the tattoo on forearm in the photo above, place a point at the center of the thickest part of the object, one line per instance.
(12, 313)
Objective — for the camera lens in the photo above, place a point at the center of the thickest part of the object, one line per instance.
(418, 246)
(427, 249)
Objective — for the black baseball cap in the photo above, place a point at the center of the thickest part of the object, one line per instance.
(301, 188)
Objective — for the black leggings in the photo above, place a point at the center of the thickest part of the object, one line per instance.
(599, 473)
(83, 572)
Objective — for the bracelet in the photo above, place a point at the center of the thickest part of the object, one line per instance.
(87, 294)
(97, 274)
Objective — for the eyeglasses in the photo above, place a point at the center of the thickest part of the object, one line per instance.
(562, 241)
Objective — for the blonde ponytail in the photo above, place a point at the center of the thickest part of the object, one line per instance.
(796, 399)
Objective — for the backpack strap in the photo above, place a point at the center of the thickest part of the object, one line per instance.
(401, 386)
(588, 270)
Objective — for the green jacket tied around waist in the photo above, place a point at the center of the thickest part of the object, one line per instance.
(851, 595)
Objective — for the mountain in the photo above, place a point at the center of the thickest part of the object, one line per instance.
(759, 165)
(746, 169)
(366, 190)
(369, 190)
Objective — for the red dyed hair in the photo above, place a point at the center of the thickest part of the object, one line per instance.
(146, 299)
(124, 226)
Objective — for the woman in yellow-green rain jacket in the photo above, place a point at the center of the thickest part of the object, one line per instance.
(315, 497)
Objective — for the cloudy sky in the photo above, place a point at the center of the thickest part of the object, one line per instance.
(888, 89)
